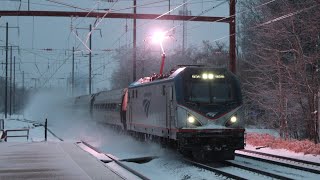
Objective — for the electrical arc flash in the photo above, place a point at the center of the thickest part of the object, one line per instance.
(158, 37)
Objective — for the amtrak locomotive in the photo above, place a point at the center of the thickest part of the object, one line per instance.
(196, 108)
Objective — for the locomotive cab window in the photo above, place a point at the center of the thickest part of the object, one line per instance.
(211, 92)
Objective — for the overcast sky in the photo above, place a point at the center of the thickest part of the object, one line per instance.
(38, 33)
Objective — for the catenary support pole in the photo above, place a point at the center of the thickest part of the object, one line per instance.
(10, 83)
(232, 29)
(45, 129)
(23, 91)
(14, 85)
(318, 129)
(72, 75)
(6, 88)
(90, 54)
(134, 40)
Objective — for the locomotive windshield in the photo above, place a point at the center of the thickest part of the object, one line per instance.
(204, 92)
(211, 91)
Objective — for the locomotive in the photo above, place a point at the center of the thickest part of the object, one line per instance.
(196, 108)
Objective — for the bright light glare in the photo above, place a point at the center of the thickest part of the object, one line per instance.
(233, 119)
(191, 119)
(210, 76)
(158, 37)
(205, 76)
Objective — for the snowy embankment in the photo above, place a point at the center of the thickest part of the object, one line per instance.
(269, 142)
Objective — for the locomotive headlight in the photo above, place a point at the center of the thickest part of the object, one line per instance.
(233, 119)
(204, 76)
(191, 119)
(210, 76)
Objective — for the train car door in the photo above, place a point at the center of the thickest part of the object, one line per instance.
(129, 110)
(124, 107)
(169, 112)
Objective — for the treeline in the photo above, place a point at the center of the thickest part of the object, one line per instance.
(280, 54)
(20, 98)
(278, 45)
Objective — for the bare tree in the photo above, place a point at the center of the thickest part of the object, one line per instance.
(148, 61)
(280, 46)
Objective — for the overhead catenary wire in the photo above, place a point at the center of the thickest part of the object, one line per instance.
(96, 24)
(180, 23)
(276, 19)
(167, 12)
(70, 55)
(265, 23)
(68, 5)
(140, 26)
(41, 4)
(179, 7)
(36, 54)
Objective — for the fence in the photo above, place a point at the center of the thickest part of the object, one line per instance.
(6, 133)
(16, 130)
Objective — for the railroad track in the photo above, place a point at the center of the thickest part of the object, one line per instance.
(303, 165)
(215, 170)
(282, 157)
(233, 175)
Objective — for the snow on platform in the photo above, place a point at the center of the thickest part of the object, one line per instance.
(50, 160)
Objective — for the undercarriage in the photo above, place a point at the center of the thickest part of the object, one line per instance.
(213, 144)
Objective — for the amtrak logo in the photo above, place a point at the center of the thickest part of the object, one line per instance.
(211, 114)
(146, 102)
(146, 105)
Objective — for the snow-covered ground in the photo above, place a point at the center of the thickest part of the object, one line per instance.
(74, 126)
(167, 166)
(36, 132)
(286, 153)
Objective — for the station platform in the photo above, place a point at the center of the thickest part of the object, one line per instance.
(55, 160)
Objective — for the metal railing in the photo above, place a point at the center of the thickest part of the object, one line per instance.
(16, 130)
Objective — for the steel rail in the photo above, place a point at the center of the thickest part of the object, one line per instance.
(282, 157)
(209, 168)
(256, 170)
(279, 163)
